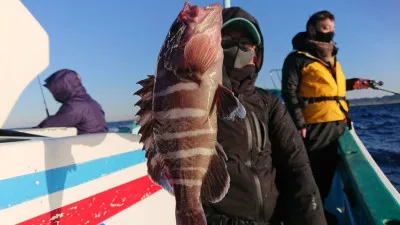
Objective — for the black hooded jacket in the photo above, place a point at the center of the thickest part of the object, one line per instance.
(264, 150)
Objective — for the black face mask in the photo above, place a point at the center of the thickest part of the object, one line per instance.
(235, 57)
(324, 37)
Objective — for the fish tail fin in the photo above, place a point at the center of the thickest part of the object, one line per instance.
(193, 216)
(216, 182)
(189, 209)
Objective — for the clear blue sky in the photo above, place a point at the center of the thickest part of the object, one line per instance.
(113, 44)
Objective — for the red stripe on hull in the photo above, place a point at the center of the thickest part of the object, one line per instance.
(99, 207)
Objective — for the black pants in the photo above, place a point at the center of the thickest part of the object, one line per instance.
(323, 164)
(322, 147)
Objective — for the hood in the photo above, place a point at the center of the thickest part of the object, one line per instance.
(247, 85)
(300, 42)
(235, 12)
(65, 85)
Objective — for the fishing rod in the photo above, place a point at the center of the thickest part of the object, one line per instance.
(44, 100)
(373, 84)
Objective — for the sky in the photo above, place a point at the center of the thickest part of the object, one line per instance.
(114, 44)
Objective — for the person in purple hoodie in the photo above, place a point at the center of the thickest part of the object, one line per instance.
(78, 109)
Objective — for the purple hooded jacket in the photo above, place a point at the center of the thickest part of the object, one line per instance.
(78, 108)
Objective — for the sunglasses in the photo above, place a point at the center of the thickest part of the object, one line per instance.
(243, 43)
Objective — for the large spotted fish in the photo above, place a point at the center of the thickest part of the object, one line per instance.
(178, 114)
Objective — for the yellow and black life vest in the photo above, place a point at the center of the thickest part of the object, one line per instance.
(324, 91)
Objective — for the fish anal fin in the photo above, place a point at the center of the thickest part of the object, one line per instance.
(158, 172)
(228, 106)
(216, 182)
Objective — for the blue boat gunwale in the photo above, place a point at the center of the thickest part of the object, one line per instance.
(379, 199)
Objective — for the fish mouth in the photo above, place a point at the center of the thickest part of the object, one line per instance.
(195, 14)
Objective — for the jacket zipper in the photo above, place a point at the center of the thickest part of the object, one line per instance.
(260, 197)
(260, 202)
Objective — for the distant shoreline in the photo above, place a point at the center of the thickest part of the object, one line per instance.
(385, 100)
(367, 104)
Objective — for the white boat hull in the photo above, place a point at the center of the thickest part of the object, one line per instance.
(86, 179)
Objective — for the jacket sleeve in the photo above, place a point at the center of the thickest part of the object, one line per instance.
(291, 77)
(350, 84)
(357, 84)
(66, 116)
(299, 196)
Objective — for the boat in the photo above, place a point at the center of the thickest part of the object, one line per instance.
(132, 128)
(53, 176)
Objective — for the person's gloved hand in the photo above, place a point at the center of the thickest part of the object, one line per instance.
(360, 83)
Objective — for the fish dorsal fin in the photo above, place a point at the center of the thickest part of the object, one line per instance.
(146, 118)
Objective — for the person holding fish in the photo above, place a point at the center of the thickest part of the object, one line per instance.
(266, 156)
(224, 148)
(314, 89)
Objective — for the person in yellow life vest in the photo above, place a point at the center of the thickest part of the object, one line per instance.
(314, 89)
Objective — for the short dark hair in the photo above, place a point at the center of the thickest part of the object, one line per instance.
(318, 17)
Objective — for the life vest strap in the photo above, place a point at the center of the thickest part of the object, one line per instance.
(323, 98)
(307, 101)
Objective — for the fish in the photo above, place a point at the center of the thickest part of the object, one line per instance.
(179, 106)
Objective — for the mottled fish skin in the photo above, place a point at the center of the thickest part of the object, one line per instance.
(178, 118)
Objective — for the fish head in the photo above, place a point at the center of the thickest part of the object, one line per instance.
(193, 44)
(199, 20)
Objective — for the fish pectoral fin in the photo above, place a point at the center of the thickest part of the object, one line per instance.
(228, 105)
(216, 182)
(158, 172)
(200, 53)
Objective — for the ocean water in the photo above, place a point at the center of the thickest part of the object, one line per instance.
(378, 127)
(113, 126)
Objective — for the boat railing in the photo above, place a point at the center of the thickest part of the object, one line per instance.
(276, 73)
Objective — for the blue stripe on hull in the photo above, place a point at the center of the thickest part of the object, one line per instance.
(19, 189)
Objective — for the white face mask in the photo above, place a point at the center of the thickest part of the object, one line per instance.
(235, 57)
